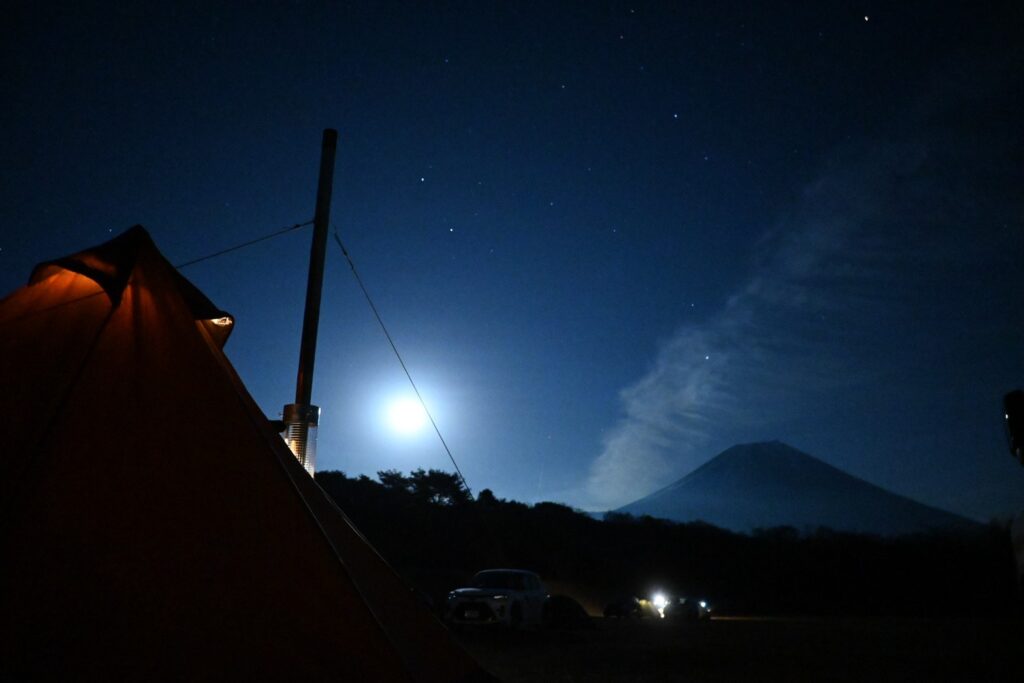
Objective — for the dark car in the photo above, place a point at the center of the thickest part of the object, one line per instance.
(624, 608)
(562, 612)
(687, 609)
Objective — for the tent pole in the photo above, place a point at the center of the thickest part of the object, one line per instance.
(311, 320)
(301, 416)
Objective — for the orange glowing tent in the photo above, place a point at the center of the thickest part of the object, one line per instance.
(154, 525)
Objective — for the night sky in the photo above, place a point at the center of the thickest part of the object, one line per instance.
(610, 239)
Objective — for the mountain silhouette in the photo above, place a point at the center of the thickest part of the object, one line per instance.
(771, 484)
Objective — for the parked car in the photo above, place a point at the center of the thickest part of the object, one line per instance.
(512, 597)
(624, 607)
(688, 609)
(563, 612)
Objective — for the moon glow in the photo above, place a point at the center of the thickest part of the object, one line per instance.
(406, 416)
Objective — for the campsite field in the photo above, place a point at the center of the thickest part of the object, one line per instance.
(759, 649)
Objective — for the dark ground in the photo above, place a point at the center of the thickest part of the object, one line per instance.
(759, 649)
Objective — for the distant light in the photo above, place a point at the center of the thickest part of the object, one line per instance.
(703, 604)
(660, 602)
(865, 18)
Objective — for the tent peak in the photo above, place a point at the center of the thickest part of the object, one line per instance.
(112, 264)
(109, 265)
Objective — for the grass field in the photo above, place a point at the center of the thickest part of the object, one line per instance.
(758, 649)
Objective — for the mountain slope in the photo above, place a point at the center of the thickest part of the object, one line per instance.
(761, 485)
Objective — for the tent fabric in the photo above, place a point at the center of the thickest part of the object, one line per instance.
(155, 526)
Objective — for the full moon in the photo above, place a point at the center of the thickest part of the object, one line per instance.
(406, 416)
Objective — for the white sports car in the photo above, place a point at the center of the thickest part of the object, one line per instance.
(512, 597)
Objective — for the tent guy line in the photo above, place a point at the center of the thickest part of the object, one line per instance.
(401, 362)
(276, 233)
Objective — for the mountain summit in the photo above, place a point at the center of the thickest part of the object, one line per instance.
(762, 485)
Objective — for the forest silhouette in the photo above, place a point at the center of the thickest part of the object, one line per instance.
(435, 534)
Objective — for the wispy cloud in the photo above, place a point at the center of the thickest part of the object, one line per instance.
(880, 320)
(829, 310)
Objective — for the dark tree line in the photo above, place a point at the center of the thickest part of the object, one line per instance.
(435, 486)
(436, 535)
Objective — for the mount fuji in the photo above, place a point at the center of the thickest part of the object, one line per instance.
(771, 484)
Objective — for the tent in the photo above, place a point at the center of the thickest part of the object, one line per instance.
(154, 524)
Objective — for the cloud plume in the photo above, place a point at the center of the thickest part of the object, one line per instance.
(828, 315)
